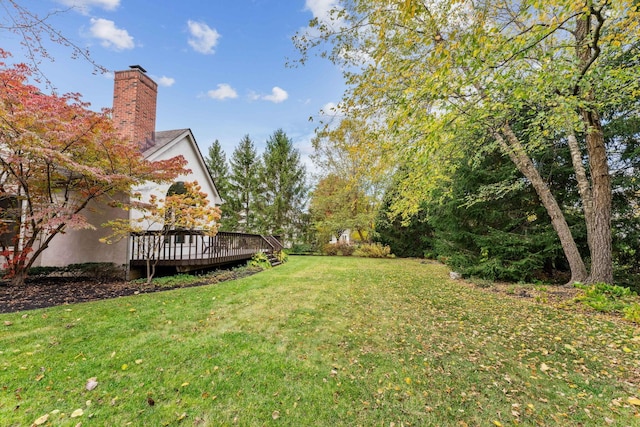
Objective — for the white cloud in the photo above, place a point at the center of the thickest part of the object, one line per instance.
(204, 38)
(277, 96)
(112, 37)
(224, 91)
(83, 6)
(321, 8)
(322, 11)
(165, 81)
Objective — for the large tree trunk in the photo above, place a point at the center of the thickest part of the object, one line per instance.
(599, 223)
(598, 212)
(514, 149)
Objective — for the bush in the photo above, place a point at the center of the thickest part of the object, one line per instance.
(607, 298)
(330, 249)
(373, 250)
(261, 260)
(333, 249)
(101, 271)
(282, 256)
(301, 249)
(632, 312)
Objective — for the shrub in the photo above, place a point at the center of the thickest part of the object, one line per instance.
(261, 260)
(301, 249)
(333, 249)
(606, 298)
(282, 256)
(330, 249)
(632, 312)
(373, 250)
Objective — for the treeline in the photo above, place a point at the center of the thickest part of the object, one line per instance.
(504, 134)
(262, 194)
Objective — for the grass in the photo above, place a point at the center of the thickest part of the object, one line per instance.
(319, 341)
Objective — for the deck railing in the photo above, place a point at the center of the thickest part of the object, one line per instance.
(193, 248)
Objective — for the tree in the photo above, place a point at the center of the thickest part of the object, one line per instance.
(216, 162)
(34, 30)
(354, 169)
(185, 207)
(336, 205)
(432, 71)
(244, 185)
(56, 157)
(411, 238)
(285, 189)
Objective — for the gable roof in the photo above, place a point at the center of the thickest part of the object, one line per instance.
(164, 140)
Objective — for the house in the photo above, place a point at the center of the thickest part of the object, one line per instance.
(344, 238)
(134, 114)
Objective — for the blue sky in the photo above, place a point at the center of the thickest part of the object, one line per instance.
(220, 64)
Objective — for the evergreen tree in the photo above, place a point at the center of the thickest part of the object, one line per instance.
(244, 187)
(216, 161)
(284, 180)
(411, 238)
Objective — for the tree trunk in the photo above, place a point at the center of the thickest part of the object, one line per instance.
(519, 157)
(598, 213)
(599, 226)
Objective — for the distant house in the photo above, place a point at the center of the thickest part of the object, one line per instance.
(134, 114)
(344, 238)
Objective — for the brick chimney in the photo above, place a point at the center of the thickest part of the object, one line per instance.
(134, 105)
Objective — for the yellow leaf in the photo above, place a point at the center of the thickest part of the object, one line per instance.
(43, 419)
(497, 423)
(407, 380)
(77, 413)
(626, 349)
(634, 401)
(124, 367)
(184, 384)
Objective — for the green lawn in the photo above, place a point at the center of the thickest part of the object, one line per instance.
(325, 341)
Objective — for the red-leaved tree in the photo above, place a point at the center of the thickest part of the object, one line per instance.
(56, 156)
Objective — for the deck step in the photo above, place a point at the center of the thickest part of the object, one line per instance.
(273, 260)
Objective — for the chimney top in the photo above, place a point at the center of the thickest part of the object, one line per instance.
(137, 67)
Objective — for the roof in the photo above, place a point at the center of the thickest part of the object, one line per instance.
(163, 138)
(167, 137)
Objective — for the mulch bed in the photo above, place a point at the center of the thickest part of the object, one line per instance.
(47, 292)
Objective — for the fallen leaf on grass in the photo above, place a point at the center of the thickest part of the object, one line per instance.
(275, 415)
(7, 323)
(77, 413)
(634, 401)
(91, 383)
(43, 419)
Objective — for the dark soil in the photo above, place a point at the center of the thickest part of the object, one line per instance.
(52, 291)
(49, 292)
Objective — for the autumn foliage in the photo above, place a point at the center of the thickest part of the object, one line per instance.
(185, 207)
(57, 156)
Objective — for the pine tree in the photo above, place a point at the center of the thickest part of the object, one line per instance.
(285, 186)
(244, 187)
(216, 161)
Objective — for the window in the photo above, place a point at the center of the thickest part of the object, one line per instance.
(9, 221)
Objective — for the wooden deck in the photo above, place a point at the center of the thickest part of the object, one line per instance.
(189, 250)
